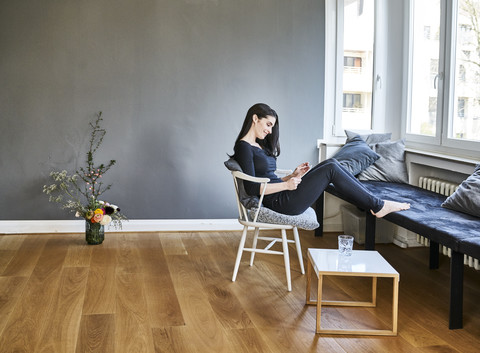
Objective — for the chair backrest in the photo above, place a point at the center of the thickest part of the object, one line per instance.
(245, 201)
(238, 179)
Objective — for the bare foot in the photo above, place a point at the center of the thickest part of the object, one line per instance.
(391, 206)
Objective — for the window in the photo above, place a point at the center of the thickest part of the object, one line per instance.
(444, 74)
(425, 67)
(352, 62)
(350, 65)
(352, 102)
(465, 124)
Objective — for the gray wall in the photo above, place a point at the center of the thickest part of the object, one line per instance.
(174, 80)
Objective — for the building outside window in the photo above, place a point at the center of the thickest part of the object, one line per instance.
(461, 107)
(352, 102)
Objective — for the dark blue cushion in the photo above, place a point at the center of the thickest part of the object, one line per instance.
(425, 216)
(356, 155)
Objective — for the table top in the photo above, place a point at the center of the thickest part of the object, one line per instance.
(360, 263)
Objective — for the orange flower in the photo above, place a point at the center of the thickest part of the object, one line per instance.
(97, 218)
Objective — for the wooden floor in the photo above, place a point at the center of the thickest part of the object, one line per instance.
(172, 292)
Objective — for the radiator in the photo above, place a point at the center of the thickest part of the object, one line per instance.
(446, 188)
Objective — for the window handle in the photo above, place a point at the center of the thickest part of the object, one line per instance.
(438, 76)
(378, 82)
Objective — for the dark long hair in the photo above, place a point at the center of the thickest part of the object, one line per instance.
(270, 143)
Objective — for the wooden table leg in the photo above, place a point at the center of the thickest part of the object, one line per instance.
(395, 306)
(319, 302)
(309, 282)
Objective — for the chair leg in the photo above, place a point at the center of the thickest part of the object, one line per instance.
(299, 249)
(254, 245)
(286, 259)
(239, 253)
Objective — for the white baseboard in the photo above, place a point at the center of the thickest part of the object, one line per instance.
(136, 225)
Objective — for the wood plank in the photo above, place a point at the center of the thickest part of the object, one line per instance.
(128, 257)
(132, 330)
(25, 326)
(223, 301)
(172, 244)
(5, 257)
(97, 334)
(418, 336)
(26, 257)
(151, 256)
(163, 307)
(79, 254)
(12, 242)
(11, 289)
(248, 340)
(100, 292)
(61, 330)
(103, 256)
(288, 340)
(205, 329)
(173, 339)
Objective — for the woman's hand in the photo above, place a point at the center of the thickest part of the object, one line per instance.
(290, 184)
(293, 182)
(301, 170)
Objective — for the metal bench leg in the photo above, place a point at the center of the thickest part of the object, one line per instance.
(370, 223)
(434, 255)
(456, 291)
(319, 209)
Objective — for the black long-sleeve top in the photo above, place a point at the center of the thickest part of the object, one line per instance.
(255, 162)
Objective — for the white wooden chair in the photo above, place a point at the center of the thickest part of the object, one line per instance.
(250, 215)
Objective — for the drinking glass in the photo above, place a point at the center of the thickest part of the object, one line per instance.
(345, 245)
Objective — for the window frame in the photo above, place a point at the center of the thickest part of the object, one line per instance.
(334, 66)
(445, 86)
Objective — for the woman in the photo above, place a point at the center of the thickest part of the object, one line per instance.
(256, 150)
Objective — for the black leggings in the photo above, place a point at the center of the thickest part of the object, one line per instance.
(314, 183)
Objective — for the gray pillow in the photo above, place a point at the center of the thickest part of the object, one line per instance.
(391, 165)
(370, 138)
(467, 197)
(247, 200)
(355, 155)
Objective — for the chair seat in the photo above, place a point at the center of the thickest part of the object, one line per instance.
(306, 220)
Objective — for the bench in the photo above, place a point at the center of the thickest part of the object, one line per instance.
(458, 231)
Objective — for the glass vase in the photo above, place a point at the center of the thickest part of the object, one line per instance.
(94, 233)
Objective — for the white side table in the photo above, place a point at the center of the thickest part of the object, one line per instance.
(362, 263)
